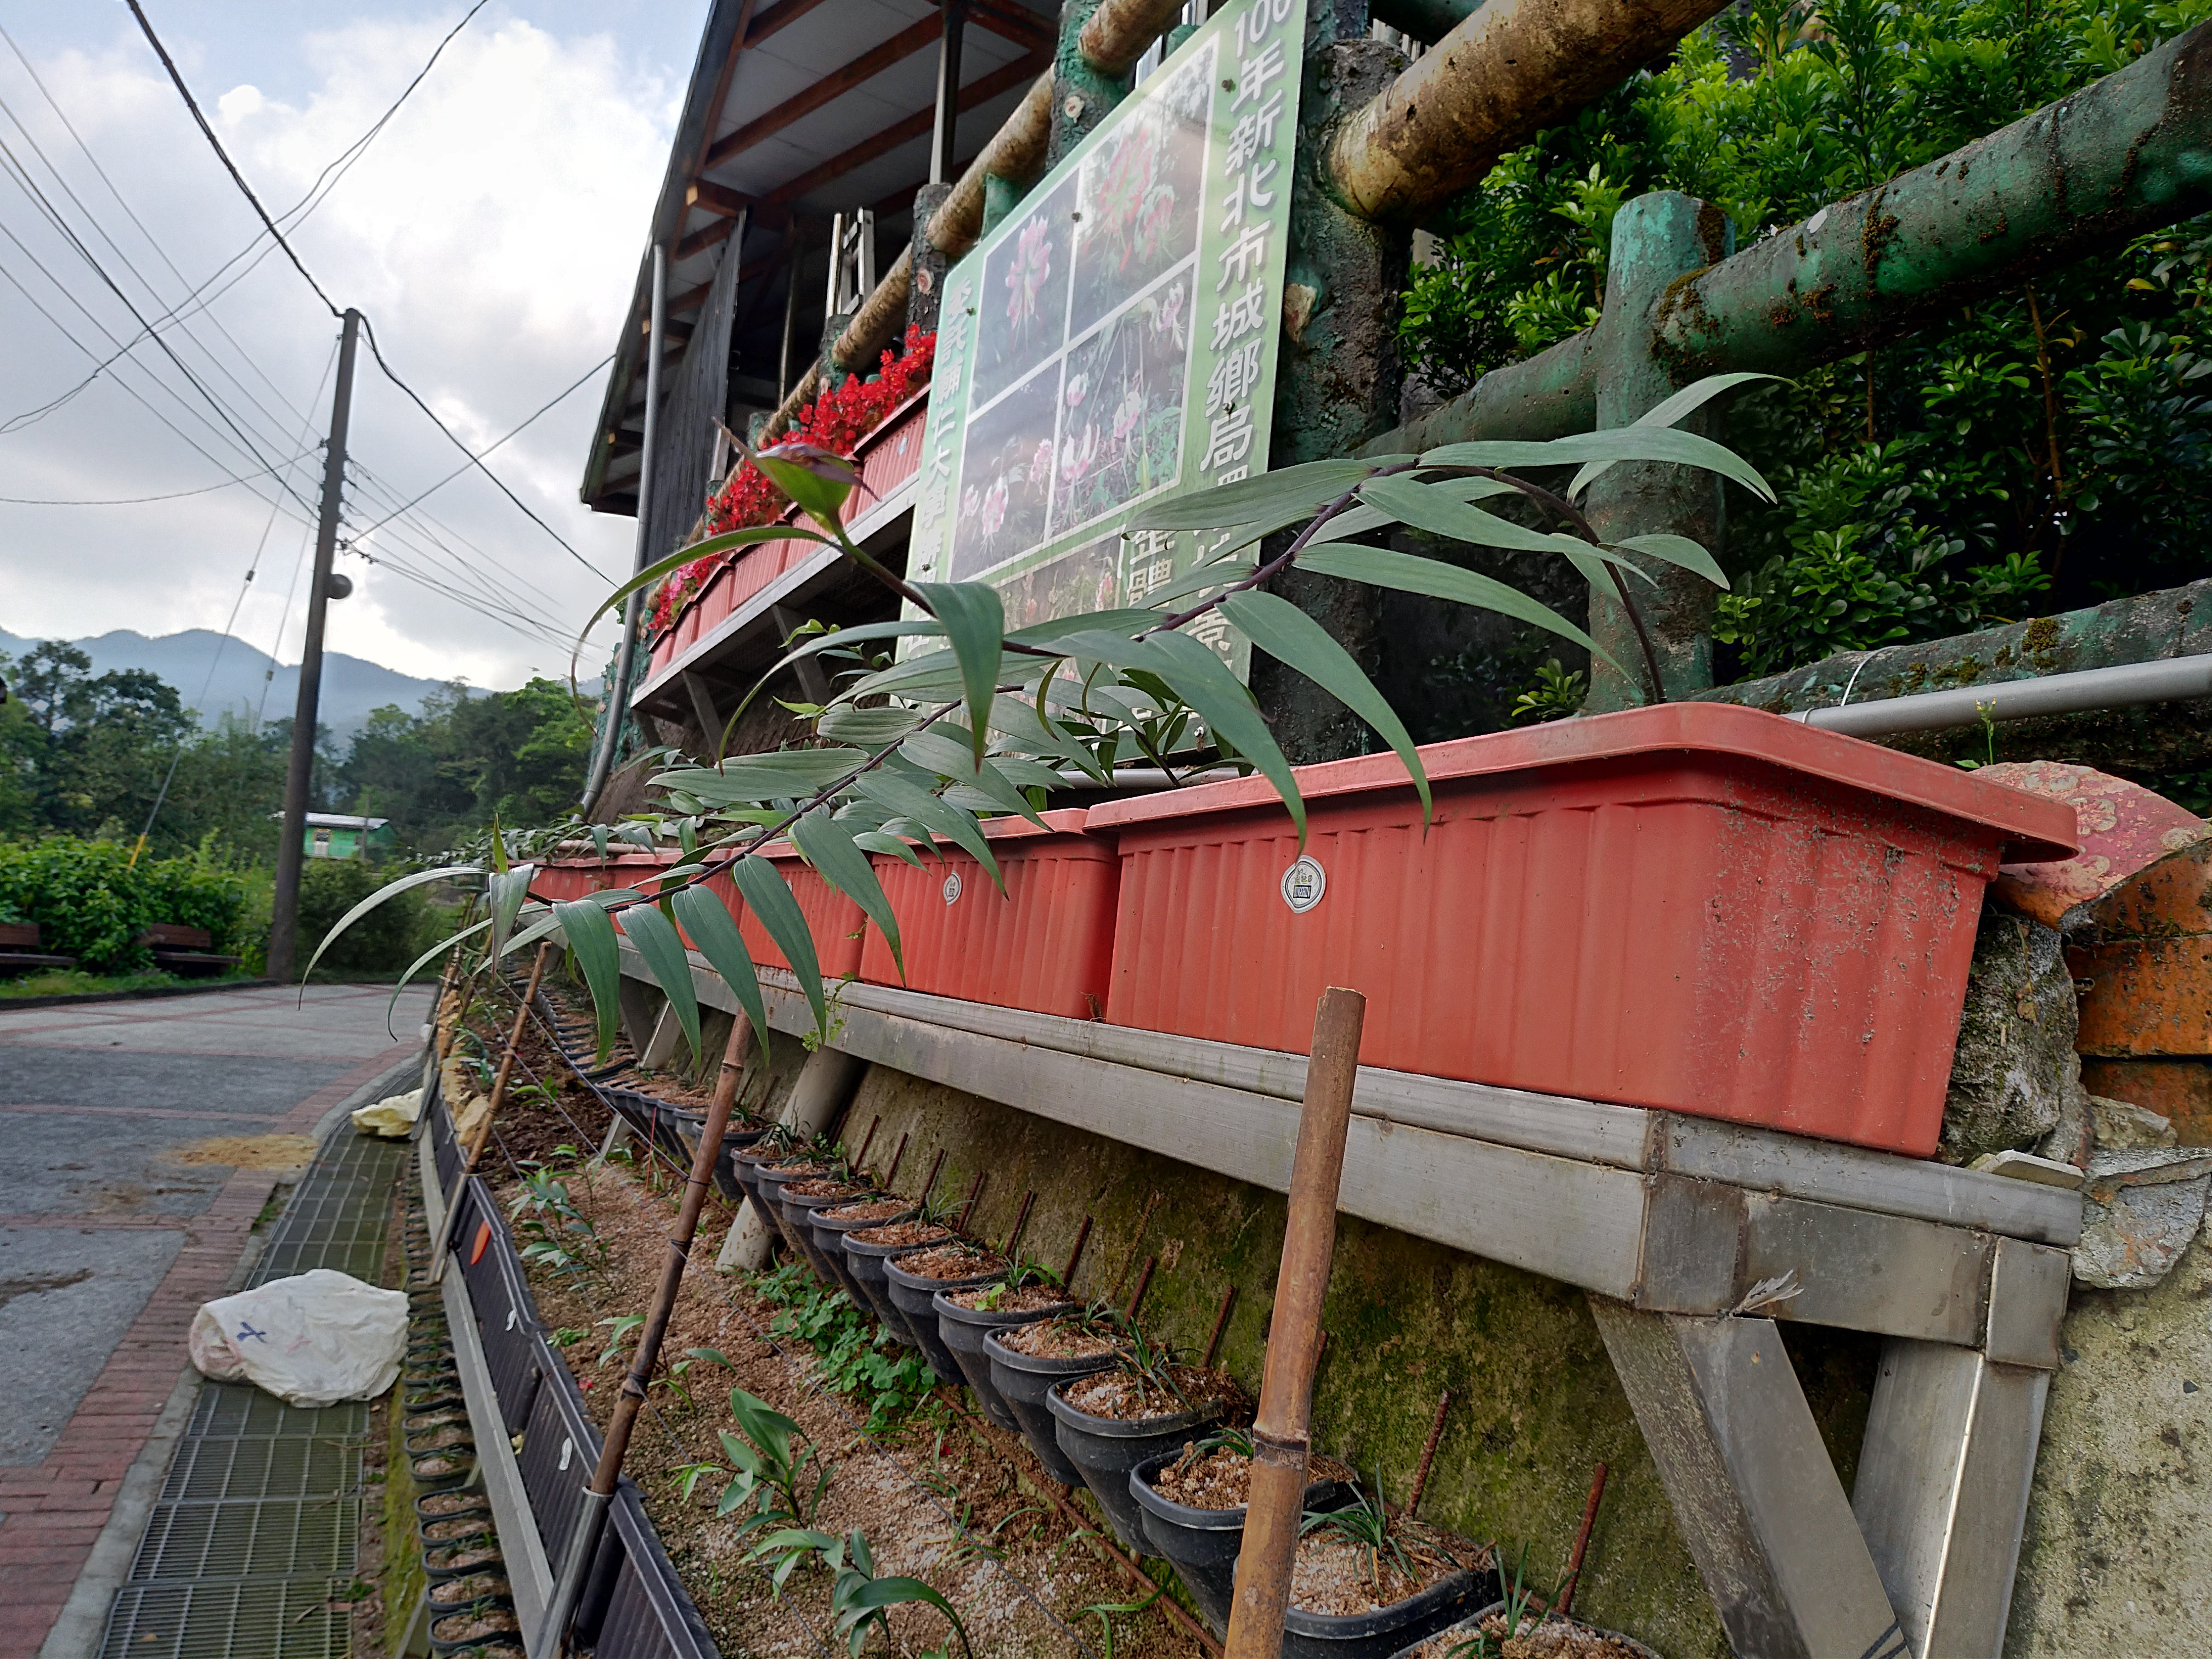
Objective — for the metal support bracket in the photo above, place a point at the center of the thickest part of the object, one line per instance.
(1753, 1492)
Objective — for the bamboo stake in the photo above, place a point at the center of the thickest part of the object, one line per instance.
(499, 1082)
(583, 1537)
(1281, 1433)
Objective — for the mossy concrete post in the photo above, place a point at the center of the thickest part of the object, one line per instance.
(1082, 96)
(1338, 375)
(926, 287)
(1658, 240)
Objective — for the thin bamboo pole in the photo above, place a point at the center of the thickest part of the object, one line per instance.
(1281, 1433)
(583, 1538)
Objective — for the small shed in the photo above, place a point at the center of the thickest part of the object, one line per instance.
(343, 836)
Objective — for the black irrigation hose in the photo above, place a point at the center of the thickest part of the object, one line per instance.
(829, 1396)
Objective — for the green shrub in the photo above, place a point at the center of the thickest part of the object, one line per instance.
(197, 892)
(384, 941)
(87, 900)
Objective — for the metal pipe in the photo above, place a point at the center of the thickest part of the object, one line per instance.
(790, 314)
(2127, 686)
(1282, 1430)
(618, 693)
(584, 1538)
(1121, 32)
(948, 89)
(1510, 70)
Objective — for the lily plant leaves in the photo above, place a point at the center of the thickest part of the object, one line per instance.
(830, 848)
(1620, 443)
(905, 796)
(1408, 574)
(1297, 491)
(506, 890)
(390, 890)
(762, 887)
(975, 622)
(714, 931)
(1685, 402)
(661, 949)
(590, 932)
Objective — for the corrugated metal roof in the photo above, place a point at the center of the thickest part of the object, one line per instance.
(798, 109)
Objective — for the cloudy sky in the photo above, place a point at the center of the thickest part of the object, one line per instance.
(491, 233)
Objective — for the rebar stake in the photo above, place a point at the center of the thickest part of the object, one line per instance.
(1582, 1543)
(1021, 1220)
(897, 1157)
(1428, 1453)
(1143, 1284)
(1075, 1256)
(1221, 1324)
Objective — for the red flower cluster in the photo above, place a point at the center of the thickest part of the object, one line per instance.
(837, 421)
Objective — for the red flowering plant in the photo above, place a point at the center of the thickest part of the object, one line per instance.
(835, 421)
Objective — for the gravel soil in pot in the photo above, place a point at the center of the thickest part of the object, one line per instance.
(1534, 1638)
(1109, 1421)
(1193, 1504)
(772, 1179)
(459, 1529)
(452, 1505)
(451, 1634)
(457, 1560)
(446, 1439)
(866, 1251)
(912, 1281)
(830, 1224)
(423, 1422)
(470, 1589)
(1348, 1602)
(963, 1323)
(799, 1200)
(440, 1469)
(1028, 1362)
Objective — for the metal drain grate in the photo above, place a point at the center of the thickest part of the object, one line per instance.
(216, 1471)
(236, 1410)
(190, 1542)
(251, 1547)
(245, 1618)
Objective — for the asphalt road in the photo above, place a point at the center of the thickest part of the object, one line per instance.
(139, 1142)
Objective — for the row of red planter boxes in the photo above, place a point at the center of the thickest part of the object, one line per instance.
(1698, 907)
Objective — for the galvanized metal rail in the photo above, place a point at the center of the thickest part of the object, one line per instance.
(1672, 1225)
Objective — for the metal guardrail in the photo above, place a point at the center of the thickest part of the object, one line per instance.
(633, 1606)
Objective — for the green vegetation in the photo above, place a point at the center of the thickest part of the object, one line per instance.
(91, 903)
(857, 1355)
(2045, 449)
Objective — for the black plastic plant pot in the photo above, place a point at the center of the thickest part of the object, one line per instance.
(1023, 1381)
(962, 1330)
(867, 1263)
(461, 1620)
(1387, 1631)
(438, 1574)
(915, 1297)
(480, 1505)
(772, 1179)
(1202, 1544)
(734, 1142)
(1466, 1629)
(463, 1465)
(799, 1212)
(1105, 1449)
(829, 1235)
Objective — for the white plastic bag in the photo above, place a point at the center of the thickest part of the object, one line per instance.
(391, 1116)
(311, 1339)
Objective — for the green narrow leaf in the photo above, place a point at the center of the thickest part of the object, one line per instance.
(830, 850)
(714, 930)
(1204, 681)
(1686, 402)
(975, 622)
(869, 728)
(767, 897)
(390, 890)
(819, 496)
(1287, 634)
(878, 840)
(1427, 506)
(424, 961)
(1681, 551)
(591, 935)
(1381, 567)
(505, 890)
(661, 949)
(902, 795)
(1296, 491)
(939, 752)
(1620, 443)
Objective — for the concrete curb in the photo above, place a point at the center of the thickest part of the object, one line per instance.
(147, 993)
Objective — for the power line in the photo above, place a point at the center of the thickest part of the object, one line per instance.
(376, 351)
(174, 495)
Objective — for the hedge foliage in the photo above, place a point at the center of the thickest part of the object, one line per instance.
(90, 903)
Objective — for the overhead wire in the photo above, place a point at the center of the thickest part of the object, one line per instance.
(136, 500)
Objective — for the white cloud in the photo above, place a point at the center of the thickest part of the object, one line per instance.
(492, 235)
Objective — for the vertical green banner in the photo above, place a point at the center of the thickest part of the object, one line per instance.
(1114, 340)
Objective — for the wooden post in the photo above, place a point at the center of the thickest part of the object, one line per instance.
(1281, 1431)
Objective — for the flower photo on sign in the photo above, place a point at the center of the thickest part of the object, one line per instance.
(1138, 211)
(1023, 311)
(1083, 579)
(1006, 476)
(1121, 420)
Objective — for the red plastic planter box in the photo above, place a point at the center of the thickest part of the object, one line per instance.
(1047, 946)
(1698, 907)
(832, 920)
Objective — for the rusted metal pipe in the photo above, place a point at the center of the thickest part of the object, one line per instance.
(897, 1157)
(1282, 1430)
(1021, 1220)
(1121, 31)
(1428, 1453)
(968, 1207)
(1075, 1256)
(1143, 1284)
(1015, 151)
(1581, 1544)
(1512, 69)
(583, 1538)
(1221, 1324)
(860, 1161)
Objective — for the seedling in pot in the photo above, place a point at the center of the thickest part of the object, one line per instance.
(1514, 1608)
(1368, 1525)
(1027, 1270)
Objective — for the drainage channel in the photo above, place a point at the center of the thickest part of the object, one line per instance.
(251, 1548)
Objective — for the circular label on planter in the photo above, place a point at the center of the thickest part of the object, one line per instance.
(952, 887)
(1304, 884)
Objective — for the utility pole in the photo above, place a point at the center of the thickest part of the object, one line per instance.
(291, 852)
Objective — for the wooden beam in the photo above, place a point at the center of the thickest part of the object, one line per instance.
(718, 199)
(776, 18)
(1021, 72)
(835, 85)
(1011, 21)
(700, 240)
